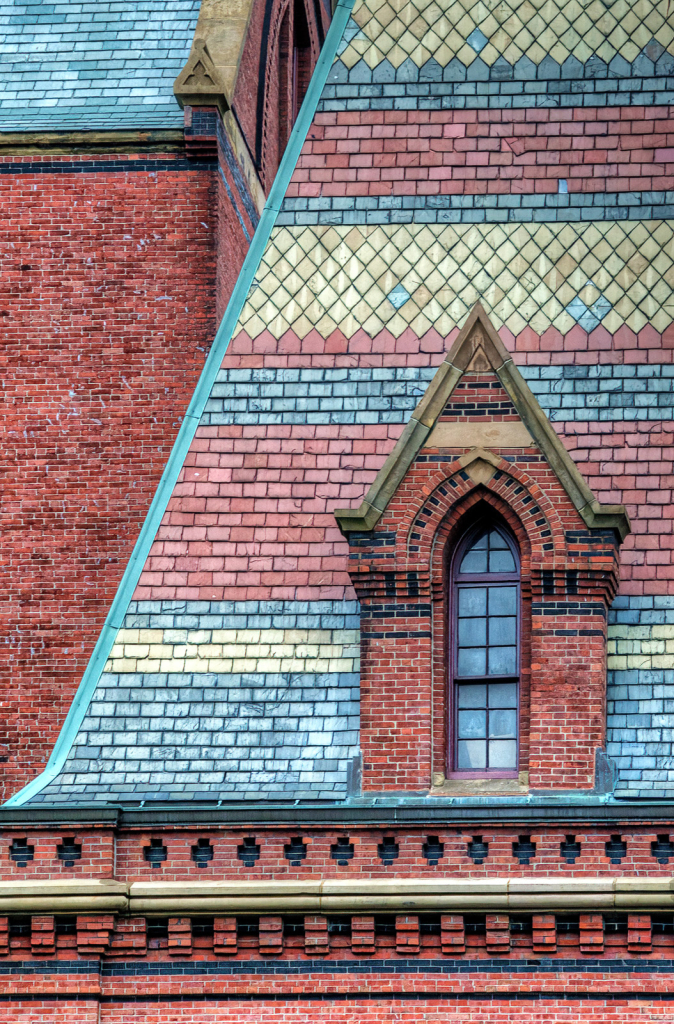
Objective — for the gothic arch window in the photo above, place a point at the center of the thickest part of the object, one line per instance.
(484, 656)
(293, 51)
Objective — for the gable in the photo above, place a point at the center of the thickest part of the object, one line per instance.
(478, 364)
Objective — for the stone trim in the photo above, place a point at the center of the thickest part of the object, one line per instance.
(481, 349)
(115, 141)
(336, 896)
(203, 82)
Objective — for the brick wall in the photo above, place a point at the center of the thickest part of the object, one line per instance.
(379, 1010)
(106, 318)
(256, 99)
(297, 852)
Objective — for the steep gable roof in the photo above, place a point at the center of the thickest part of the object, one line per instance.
(479, 348)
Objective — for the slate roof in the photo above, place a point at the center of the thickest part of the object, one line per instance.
(95, 65)
(234, 670)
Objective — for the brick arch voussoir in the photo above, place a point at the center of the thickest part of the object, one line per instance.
(278, 13)
(458, 517)
(314, 34)
(535, 520)
(416, 501)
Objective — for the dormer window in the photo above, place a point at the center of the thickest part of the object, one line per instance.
(484, 657)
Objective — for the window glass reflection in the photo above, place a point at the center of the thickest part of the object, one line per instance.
(487, 631)
(489, 553)
(486, 654)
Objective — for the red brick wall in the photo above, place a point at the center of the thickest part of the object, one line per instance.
(233, 233)
(605, 1008)
(247, 100)
(379, 153)
(119, 853)
(49, 1008)
(107, 315)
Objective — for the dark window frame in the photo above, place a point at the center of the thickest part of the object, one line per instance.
(457, 581)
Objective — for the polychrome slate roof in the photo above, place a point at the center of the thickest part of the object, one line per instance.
(455, 154)
(102, 64)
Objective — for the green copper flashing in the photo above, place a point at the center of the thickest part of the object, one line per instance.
(192, 418)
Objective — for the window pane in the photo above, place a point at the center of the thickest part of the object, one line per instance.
(503, 695)
(473, 661)
(472, 632)
(502, 661)
(472, 754)
(474, 561)
(502, 630)
(501, 561)
(473, 695)
(503, 600)
(502, 724)
(486, 643)
(502, 754)
(473, 724)
(472, 601)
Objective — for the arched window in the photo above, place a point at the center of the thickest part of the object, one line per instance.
(294, 68)
(484, 656)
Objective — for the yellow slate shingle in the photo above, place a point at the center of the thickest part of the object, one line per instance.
(396, 29)
(524, 274)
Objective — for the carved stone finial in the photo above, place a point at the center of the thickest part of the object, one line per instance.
(200, 83)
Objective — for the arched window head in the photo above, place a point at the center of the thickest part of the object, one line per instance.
(484, 656)
(294, 68)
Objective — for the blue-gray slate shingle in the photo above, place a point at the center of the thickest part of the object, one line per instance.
(105, 64)
(640, 708)
(602, 392)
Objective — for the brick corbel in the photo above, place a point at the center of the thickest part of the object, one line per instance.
(93, 933)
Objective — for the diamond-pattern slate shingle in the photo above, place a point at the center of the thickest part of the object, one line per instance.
(514, 30)
(342, 277)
